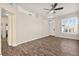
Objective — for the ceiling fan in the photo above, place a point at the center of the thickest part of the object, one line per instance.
(54, 9)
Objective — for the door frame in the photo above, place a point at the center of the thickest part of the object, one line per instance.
(12, 20)
(11, 30)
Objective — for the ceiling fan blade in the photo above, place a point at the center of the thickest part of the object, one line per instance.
(55, 5)
(59, 8)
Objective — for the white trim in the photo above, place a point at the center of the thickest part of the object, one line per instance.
(7, 7)
(28, 41)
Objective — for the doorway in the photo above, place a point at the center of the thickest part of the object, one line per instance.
(7, 31)
(4, 32)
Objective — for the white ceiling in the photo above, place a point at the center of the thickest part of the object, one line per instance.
(38, 8)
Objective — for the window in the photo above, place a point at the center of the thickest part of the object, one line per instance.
(70, 25)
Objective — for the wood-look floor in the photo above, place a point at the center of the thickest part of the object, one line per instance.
(47, 46)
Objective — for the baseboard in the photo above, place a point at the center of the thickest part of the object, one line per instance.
(52, 35)
(38, 38)
(27, 41)
(20, 43)
(66, 37)
(14, 45)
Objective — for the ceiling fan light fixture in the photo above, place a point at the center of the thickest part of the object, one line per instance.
(52, 11)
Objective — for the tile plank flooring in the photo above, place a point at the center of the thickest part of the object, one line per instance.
(47, 46)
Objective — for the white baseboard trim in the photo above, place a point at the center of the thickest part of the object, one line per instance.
(27, 41)
(36, 39)
(66, 37)
(14, 45)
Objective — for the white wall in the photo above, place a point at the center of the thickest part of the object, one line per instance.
(30, 27)
(58, 32)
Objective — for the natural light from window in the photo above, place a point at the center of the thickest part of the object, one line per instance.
(70, 25)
